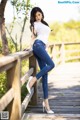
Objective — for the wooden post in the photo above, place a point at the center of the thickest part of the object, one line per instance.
(54, 54)
(62, 53)
(13, 80)
(33, 64)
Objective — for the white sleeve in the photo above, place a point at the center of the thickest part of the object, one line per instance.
(35, 26)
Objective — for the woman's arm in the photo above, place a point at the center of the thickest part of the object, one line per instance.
(33, 36)
(34, 33)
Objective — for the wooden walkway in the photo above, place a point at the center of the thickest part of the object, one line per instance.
(64, 95)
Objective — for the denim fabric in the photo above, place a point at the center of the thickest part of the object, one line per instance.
(45, 64)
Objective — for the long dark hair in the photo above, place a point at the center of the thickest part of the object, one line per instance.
(32, 16)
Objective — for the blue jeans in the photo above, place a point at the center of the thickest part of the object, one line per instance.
(45, 64)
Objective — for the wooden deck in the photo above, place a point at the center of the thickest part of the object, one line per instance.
(64, 95)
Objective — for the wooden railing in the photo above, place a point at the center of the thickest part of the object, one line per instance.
(12, 99)
(64, 52)
(12, 65)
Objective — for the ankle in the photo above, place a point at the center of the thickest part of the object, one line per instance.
(46, 104)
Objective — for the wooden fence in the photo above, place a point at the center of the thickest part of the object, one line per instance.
(64, 52)
(12, 99)
(12, 65)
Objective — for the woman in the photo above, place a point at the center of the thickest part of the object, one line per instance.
(40, 32)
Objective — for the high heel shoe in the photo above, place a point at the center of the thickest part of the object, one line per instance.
(45, 109)
(28, 87)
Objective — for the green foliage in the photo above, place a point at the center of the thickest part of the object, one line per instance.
(25, 68)
(0, 47)
(65, 32)
(2, 84)
(72, 24)
(72, 54)
(23, 92)
(12, 48)
(22, 7)
(11, 45)
(21, 12)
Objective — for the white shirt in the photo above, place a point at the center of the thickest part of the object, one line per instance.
(42, 30)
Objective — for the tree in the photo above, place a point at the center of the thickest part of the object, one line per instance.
(5, 49)
(21, 9)
(23, 6)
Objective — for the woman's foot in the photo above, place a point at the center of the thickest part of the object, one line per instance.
(46, 107)
(30, 83)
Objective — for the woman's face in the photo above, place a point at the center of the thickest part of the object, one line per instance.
(38, 16)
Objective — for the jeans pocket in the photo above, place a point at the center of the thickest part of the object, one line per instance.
(37, 45)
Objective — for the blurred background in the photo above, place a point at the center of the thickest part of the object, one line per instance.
(62, 16)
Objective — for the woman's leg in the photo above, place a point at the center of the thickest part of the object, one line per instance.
(44, 83)
(44, 78)
(40, 52)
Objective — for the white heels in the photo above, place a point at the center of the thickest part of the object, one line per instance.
(45, 109)
(28, 86)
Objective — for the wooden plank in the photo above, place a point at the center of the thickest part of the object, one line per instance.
(6, 99)
(56, 110)
(39, 106)
(33, 116)
(26, 76)
(27, 57)
(63, 103)
(6, 67)
(62, 94)
(26, 101)
(13, 80)
(51, 115)
(65, 43)
(23, 54)
(12, 57)
(72, 51)
(56, 106)
(7, 60)
(33, 64)
(72, 58)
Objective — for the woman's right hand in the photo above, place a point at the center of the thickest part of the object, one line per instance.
(33, 37)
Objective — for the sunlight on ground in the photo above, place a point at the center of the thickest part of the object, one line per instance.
(66, 75)
(33, 116)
